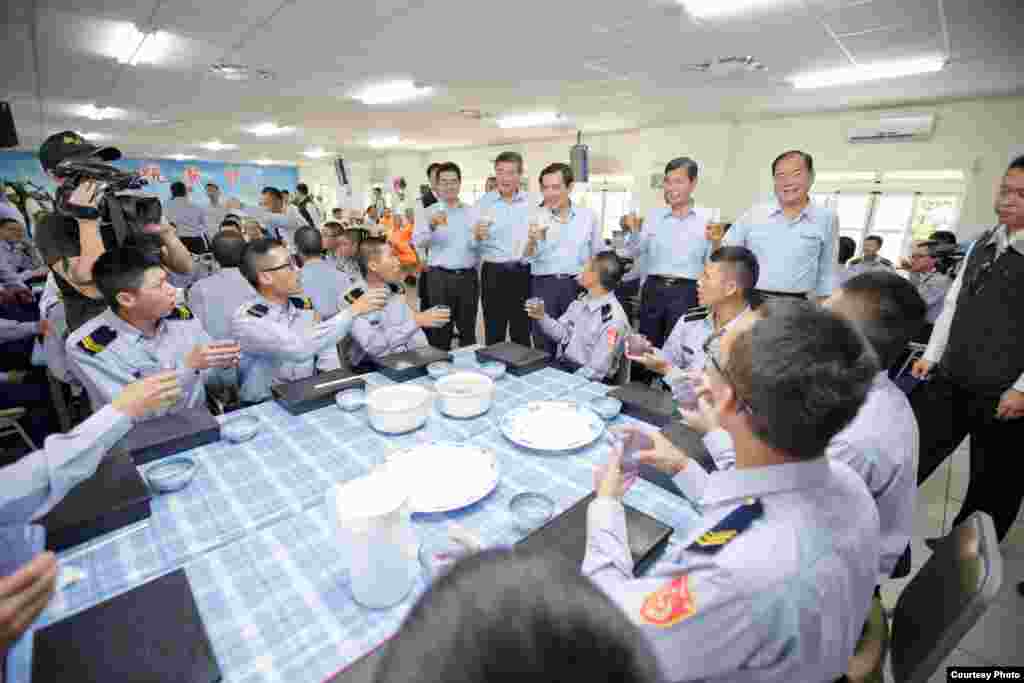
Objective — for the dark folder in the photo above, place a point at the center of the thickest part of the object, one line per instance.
(399, 367)
(566, 535)
(313, 393)
(112, 498)
(653, 406)
(162, 436)
(519, 360)
(151, 634)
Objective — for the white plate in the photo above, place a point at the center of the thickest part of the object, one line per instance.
(552, 425)
(444, 475)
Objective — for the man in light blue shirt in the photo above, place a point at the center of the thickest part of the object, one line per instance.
(561, 239)
(321, 280)
(675, 246)
(502, 233)
(451, 280)
(776, 582)
(189, 220)
(794, 240)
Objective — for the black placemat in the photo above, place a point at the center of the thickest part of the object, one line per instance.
(407, 365)
(651, 405)
(159, 437)
(151, 634)
(519, 360)
(313, 393)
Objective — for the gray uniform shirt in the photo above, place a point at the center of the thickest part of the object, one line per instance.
(391, 330)
(591, 334)
(933, 288)
(216, 298)
(774, 585)
(325, 284)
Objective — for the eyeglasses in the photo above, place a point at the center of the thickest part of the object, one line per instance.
(290, 264)
(709, 355)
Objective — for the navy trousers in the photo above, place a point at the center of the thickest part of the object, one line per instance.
(662, 304)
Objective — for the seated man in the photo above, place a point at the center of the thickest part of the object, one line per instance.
(591, 332)
(346, 252)
(869, 260)
(281, 336)
(321, 280)
(215, 299)
(775, 582)
(331, 232)
(397, 328)
(931, 285)
(18, 254)
(142, 333)
(727, 287)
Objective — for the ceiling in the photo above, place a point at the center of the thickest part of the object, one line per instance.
(607, 65)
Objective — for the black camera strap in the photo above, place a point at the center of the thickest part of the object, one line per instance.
(117, 219)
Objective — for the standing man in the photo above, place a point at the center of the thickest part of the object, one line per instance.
(275, 218)
(931, 284)
(453, 258)
(216, 211)
(869, 260)
(674, 245)
(794, 241)
(505, 280)
(977, 368)
(308, 209)
(189, 219)
(421, 217)
(558, 249)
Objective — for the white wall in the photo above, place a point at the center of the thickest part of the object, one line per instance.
(975, 136)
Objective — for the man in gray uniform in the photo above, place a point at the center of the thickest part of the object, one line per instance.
(281, 336)
(321, 280)
(775, 582)
(346, 252)
(931, 284)
(592, 332)
(869, 260)
(142, 333)
(216, 298)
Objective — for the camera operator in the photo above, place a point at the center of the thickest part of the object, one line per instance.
(71, 239)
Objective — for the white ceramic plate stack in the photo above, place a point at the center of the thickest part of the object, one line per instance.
(552, 425)
(445, 475)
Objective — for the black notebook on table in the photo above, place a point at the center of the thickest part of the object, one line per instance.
(519, 360)
(643, 402)
(312, 393)
(399, 367)
(151, 634)
(159, 437)
(566, 535)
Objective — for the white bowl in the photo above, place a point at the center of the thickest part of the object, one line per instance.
(465, 394)
(399, 408)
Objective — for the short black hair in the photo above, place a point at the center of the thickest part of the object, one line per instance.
(893, 312)
(118, 270)
(847, 248)
(683, 162)
(510, 158)
(227, 249)
(808, 160)
(609, 268)
(285, 191)
(507, 615)
(804, 372)
(4, 220)
(744, 264)
(254, 258)
(353, 235)
(875, 238)
(334, 228)
(273, 192)
(449, 167)
(308, 241)
(303, 188)
(565, 169)
(213, 184)
(370, 250)
(431, 169)
(1017, 164)
(230, 220)
(178, 189)
(943, 237)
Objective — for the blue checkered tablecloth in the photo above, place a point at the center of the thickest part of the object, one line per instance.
(252, 532)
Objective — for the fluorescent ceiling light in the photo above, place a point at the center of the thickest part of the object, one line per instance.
(391, 92)
(946, 174)
(868, 72)
(846, 176)
(269, 162)
(217, 146)
(181, 157)
(387, 141)
(705, 9)
(91, 111)
(544, 118)
(269, 128)
(315, 153)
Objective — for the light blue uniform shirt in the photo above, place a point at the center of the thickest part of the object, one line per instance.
(569, 245)
(189, 219)
(684, 348)
(674, 247)
(453, 245)
(782, 600)
(324, 284)
(796, 256)
(391, 330)
(216, 298)
(508, 233)
(881, 445)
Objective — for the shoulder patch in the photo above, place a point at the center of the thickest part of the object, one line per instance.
(696, 313)
(97, 340)
(606, 313)
(582, 296)
(258, 310)
(854, 261)
(353, 294)
(670, 604)
(734, 523)
(303, 303)
(180, 313)
(885, 262)
(396, 289)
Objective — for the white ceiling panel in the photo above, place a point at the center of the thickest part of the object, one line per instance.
(893, 43)
(920, 15)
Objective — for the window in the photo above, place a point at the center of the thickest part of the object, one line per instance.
(891, 222)
(934, 212)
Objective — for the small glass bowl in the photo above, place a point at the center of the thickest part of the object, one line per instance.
(172, 474)
(606, 406)
(493, 368)
(350, 400)
(439, 369)
(240, 428)
(531, 510)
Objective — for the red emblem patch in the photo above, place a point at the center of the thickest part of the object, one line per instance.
(669, 605)
(613, 336)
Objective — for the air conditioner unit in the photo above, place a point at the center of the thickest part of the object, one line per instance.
(894, 128)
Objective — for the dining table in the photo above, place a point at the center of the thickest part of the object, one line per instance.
(253, 536)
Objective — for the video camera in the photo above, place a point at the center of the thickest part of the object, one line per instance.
(947, 258)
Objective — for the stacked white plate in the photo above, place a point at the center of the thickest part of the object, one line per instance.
(445, 475)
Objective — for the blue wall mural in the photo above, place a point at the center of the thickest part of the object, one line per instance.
(242, 181)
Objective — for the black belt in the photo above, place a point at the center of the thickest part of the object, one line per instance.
(508, 264)
(783, 295)
(557, 276)
(455, 271)
(665, 280)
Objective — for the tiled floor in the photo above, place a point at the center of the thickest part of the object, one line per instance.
(999, 637)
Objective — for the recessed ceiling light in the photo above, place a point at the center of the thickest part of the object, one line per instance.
(238, 72)
(868, 72)
(91, 111)
(181, 157)
(706, 9)
(543, 118)
(391, 92)
(315, 153)
(158, 122)
(135, 47)
(217, 146)
(268, 162)
(386, 141)
(269, 128)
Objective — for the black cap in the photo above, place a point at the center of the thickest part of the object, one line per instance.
(70, 145)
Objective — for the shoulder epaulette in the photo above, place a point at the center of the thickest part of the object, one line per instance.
(303, 303)
(734, 524)
(582, 296)
(606, 313)
(885, 262)
(258, 310)
(697, 313)
(396, 288)
(854, 261)
(97, 340)
(180, 313)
